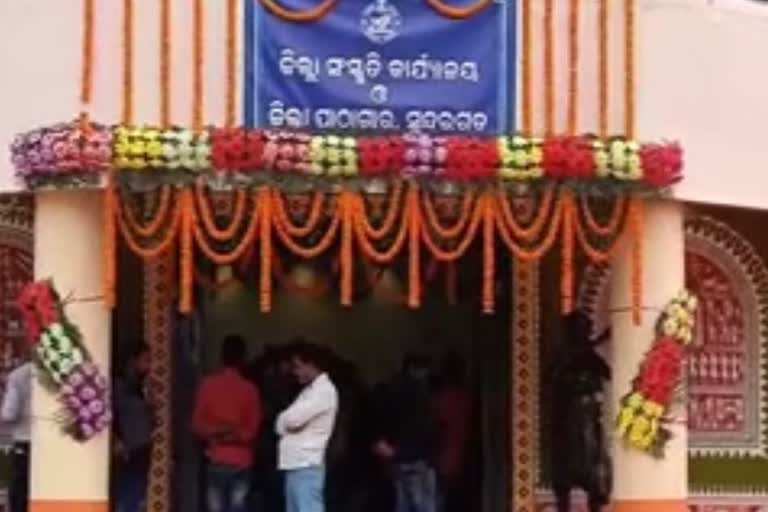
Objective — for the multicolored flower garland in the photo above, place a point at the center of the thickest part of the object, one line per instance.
(643, 411)
(62, 358)
(63, 149)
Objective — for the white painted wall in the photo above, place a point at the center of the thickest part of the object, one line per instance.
(701, 78)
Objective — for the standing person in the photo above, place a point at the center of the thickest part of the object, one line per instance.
(453, 412)
(134, 424)
(304, 429)
(228, 417)
(407, 436)
(16, 411)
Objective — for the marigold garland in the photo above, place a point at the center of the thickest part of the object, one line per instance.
(595, 254)
(602, 68)
(128, 19)
(567, 254)
(364, 239)
(110, 245)
(390, 217)
(128, 228)
(322, 245)
(461, 246)
(305, 16)
(532, 231)
(549, 67)
(461, 222)
(153, 226)
(310, 224)
(459, 13)
(206, 215)
(629, 68)
(537, 252)
(165, 64)
(414, 249)
(198, 64)
(526, 88)
(86, 73)
(346, 209)
(573, 66)
(187, 253)
(265, 244)
(489, 253)
(231, 87)
(240, 249)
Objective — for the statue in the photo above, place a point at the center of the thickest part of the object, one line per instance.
(579, 453)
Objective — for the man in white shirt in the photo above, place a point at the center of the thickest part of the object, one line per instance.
(305, 428)
(15, 412)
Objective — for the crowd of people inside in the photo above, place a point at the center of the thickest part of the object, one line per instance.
(297, 430)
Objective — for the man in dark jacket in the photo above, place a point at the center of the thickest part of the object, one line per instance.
(405, 438)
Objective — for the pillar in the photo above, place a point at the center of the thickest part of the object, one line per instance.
(641, 482)
(68, 476)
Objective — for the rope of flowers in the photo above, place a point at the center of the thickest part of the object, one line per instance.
(612, 225)
(637, 231)
(574, 11)
(313, 216)
(347, 215)
(52, 154)
(265, 246)
(230, 107)
(595, 254)
(66, 367)
(533, 230)
(127, 47)
(538, 250)
(644, 411)
(414, 249)
(489, 261)
(454, 230)
(391, 215)
(226, 233)
(86, 72)
(129, 229)
(322, 244)
(365, 241)
(305, 16)
(198, 65)
(155, 223)
(460, 245)
(549, 67)
(459, 13)
(567, 278)
(186, 225)
(109, 232)
(602, 68)
(246, 240)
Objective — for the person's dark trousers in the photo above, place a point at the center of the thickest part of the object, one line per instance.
(19, 484)
(131, 486)
(227, 488)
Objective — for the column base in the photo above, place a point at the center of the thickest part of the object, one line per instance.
(680, 505)
(68, 506)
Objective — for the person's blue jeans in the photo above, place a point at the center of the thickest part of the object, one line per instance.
(304, 490)
(227, 488)
(416, 487)
(131, 491)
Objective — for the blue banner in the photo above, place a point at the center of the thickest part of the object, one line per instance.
(381, 65)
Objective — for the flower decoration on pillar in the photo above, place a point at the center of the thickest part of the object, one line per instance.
(644, 411)
(63, 362)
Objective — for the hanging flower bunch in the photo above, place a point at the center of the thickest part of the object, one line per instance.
(568, 158)
(287, 152)
(176, 149)
(65, 364)
(67, 149)
(643, 411)
(379, 155)
(618, 158)
(425, 155)
(237, 149)
(662, 164)
(333, 156)
(470, 158)
(521, 158)
(62, 149)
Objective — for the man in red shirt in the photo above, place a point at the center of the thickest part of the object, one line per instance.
(228, 416)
